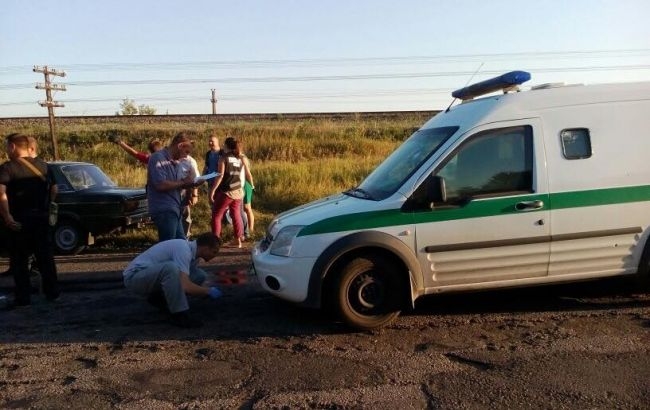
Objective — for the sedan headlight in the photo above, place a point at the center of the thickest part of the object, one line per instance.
(281, 245)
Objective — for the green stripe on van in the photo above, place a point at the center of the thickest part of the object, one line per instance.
(600, 197)
(477, 209)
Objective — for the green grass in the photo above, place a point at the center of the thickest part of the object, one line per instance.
(293, 161)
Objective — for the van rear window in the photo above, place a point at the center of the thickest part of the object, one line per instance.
(576, 143)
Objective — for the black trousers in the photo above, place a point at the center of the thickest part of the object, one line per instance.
(36, 238)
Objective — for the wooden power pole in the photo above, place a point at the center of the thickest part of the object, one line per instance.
(213, 100)
(49, 103)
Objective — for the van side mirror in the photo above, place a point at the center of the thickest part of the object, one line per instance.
(436, 189)
(430, 192)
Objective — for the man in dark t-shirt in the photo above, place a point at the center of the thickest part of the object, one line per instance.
(212, 158)
(26, 191)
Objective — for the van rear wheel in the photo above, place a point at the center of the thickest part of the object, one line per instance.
(367, 292)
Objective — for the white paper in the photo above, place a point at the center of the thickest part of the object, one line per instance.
(205, 177)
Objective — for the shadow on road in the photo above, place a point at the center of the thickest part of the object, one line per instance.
(600, 294)
(94, 307)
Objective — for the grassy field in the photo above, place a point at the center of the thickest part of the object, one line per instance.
(293, 160)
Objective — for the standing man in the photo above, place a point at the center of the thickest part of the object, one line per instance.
(167, 271)
(187, 166)
(164, 187)
(26, 190)
(212, 158)
(33, 153)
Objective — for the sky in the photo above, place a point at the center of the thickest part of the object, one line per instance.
(282, 56)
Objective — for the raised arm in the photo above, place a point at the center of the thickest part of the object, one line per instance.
(126, 147)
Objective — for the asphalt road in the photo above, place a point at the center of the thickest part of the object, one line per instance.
(580, 346)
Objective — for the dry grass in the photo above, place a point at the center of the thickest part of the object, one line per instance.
(294, 161)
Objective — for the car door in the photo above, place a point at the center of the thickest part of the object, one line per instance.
(492, 225)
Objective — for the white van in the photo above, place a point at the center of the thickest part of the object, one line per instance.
(523, 188)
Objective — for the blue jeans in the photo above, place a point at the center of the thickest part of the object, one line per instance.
(227, 219)
(169, 225)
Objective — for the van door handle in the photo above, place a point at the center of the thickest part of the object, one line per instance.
(529, 205)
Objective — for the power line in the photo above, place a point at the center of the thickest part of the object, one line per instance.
(380, 71)
(277, 79)
(343, 61)
(259, 97)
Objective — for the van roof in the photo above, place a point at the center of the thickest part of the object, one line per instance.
(558, 94)
(529, 103)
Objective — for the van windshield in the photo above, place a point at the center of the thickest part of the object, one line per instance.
(402, 163)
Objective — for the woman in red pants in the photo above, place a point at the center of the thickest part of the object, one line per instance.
(227, 191)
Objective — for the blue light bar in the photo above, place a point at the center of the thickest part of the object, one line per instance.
(503, 82)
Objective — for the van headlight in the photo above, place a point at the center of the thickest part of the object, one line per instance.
(281, 245)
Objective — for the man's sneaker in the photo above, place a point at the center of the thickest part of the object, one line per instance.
(183, 319)
(158, 300)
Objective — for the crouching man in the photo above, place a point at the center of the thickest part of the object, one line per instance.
(167, 271)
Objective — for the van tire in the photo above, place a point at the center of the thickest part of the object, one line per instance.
(366, 293)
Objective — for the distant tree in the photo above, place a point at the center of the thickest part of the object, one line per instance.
(128, 107)
(146, 110)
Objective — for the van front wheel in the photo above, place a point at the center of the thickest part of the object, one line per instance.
(367, 292)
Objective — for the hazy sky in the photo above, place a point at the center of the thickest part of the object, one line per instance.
(306, 56)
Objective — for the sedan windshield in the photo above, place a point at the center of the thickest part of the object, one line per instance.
(84, 176)
(402, 163)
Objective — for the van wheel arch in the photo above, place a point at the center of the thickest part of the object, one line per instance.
(344, 249)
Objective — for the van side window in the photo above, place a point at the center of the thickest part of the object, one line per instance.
(491, 163)
(576, 143)
(497, 162)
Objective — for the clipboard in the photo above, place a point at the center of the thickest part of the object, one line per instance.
(205, 177)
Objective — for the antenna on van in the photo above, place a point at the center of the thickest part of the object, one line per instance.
(468, 81)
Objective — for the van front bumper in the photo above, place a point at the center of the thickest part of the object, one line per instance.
(284, 277)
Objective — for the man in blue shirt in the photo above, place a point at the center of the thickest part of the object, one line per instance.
(164, 187)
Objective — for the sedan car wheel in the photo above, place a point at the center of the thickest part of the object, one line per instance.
(69, 239)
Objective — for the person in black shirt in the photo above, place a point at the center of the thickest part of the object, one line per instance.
(26, 191)
(212, 158)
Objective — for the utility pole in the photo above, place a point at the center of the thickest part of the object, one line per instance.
(49, 103)
(213, 100)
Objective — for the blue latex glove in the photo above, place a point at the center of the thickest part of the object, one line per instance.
(214, 292)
